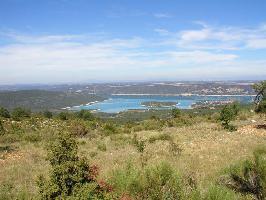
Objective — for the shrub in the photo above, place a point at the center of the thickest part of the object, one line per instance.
(174, 148)
(175, 113)
(152, 124)
(4, 113)
(48, 114)
(85, 114)
(249, 177)
(219, 193)
(32, 137)
(2, 130)
(79, 130)
(227, 114)
(156, 182)
(261, 107)
(69, 174)
(110, 129)
(19, 113)
(63, 115)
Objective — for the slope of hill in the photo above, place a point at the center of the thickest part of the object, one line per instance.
(38, 100)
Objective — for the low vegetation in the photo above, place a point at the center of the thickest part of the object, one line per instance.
(165, 155)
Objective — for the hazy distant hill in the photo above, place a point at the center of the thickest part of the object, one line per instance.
(38, 100)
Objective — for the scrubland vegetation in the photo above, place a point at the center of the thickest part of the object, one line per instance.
(177, 155)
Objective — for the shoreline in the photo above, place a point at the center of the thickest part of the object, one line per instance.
(185, 94)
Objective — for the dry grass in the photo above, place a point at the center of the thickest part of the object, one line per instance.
(206, 150)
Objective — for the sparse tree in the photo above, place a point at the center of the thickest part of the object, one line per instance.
(227, 114)
(260, 99)
(4, 113)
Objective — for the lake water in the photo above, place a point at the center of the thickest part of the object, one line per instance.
(120, 103)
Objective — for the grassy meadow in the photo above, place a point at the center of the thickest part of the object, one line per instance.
(193, 147)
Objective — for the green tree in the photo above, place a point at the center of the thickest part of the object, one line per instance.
(260, 99)
(69, 174)
(19, 113)
(4, 113)
(227, 114)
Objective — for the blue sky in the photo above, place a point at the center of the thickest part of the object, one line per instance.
(56, 41)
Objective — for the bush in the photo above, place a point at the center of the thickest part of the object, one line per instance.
(85, 114)
(219, 193)
(261, 107)
(227, 114)
(110, 129)
(63, 115)
(69, 174)
(32, 137)
(48, 114)
(19, 113)
(4, 113)
(2, 130)
(79, 130)
(249, 177)
(156, 182)
(175, 113)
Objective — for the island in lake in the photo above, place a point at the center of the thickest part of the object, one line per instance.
(158, 104)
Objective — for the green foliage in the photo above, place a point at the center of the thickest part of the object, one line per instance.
(175, 113)
(69, 173)
(85, 114)
(2, 130)
(19, 113)
(219, 193)
(48, 114)
(249, 177)
(4, 113)
(227, 114)
(152, 124)
(260, 99)
(63, 116)
(159, 182)
(110, 129)
(140, 146)
(261, 107)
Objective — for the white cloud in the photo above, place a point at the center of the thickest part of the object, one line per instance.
(162, 15)
(257, 43)
(185, 55)
(215, 37)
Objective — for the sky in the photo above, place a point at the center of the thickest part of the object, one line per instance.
(79, 41)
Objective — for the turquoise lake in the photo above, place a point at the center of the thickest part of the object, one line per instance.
(120, 103)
